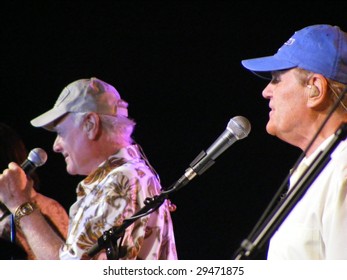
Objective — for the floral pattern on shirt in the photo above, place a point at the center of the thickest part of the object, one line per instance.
(116, 190)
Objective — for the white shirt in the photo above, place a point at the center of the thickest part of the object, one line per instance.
(316, 229)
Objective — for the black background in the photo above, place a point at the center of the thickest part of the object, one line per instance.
(178, 66)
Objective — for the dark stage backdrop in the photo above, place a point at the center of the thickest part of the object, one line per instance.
(178, 66)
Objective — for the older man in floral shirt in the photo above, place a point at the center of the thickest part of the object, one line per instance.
(94, 136)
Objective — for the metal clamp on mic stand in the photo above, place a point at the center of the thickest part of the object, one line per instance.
(248, 246)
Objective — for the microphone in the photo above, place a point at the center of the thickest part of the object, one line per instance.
(237, 129)
(36, 158)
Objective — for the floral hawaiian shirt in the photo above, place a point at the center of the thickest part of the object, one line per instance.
(116, 190)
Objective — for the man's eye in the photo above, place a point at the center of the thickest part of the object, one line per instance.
(275, 80)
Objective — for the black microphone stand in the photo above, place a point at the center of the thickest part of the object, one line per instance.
(109, 238)
(248, 246)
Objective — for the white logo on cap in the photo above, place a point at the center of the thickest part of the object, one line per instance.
(290, 42)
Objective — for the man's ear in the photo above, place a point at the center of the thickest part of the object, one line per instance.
(313, 91)
(317, 92)
(91, 125)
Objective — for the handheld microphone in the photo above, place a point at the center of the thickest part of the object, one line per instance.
(36, 158)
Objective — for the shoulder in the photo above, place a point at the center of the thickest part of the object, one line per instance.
(339, 158)
(48, 205)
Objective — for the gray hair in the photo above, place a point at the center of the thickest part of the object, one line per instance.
(118, 128)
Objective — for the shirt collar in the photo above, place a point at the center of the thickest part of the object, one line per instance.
(324, 145)
(122, 156)
(307, 161)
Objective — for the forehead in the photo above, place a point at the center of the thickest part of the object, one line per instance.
(62, 122)
(280, 72)
(293, 73)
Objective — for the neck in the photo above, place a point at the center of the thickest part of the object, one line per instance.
(329, 129)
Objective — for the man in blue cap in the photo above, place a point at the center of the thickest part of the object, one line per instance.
(307, 89)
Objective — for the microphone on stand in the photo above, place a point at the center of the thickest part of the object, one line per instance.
(237, 129)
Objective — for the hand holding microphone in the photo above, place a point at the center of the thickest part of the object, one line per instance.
(12, 182)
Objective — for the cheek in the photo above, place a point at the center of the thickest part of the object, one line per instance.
(74, 140)
(280, 118)
(78, 148)
(289, 107)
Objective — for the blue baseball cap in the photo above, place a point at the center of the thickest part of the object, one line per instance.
(320, 48)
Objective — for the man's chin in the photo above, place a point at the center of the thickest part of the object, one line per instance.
(70, 171)
(270, 129)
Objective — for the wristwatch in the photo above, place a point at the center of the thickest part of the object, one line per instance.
(23, 210)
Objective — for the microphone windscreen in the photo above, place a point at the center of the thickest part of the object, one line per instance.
(239, 126)
(37, 156)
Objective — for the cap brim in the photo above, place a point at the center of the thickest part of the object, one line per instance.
(46, 119)
(266, 64)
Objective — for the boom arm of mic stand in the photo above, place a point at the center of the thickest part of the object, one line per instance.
(110, 237)
(298, 191)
